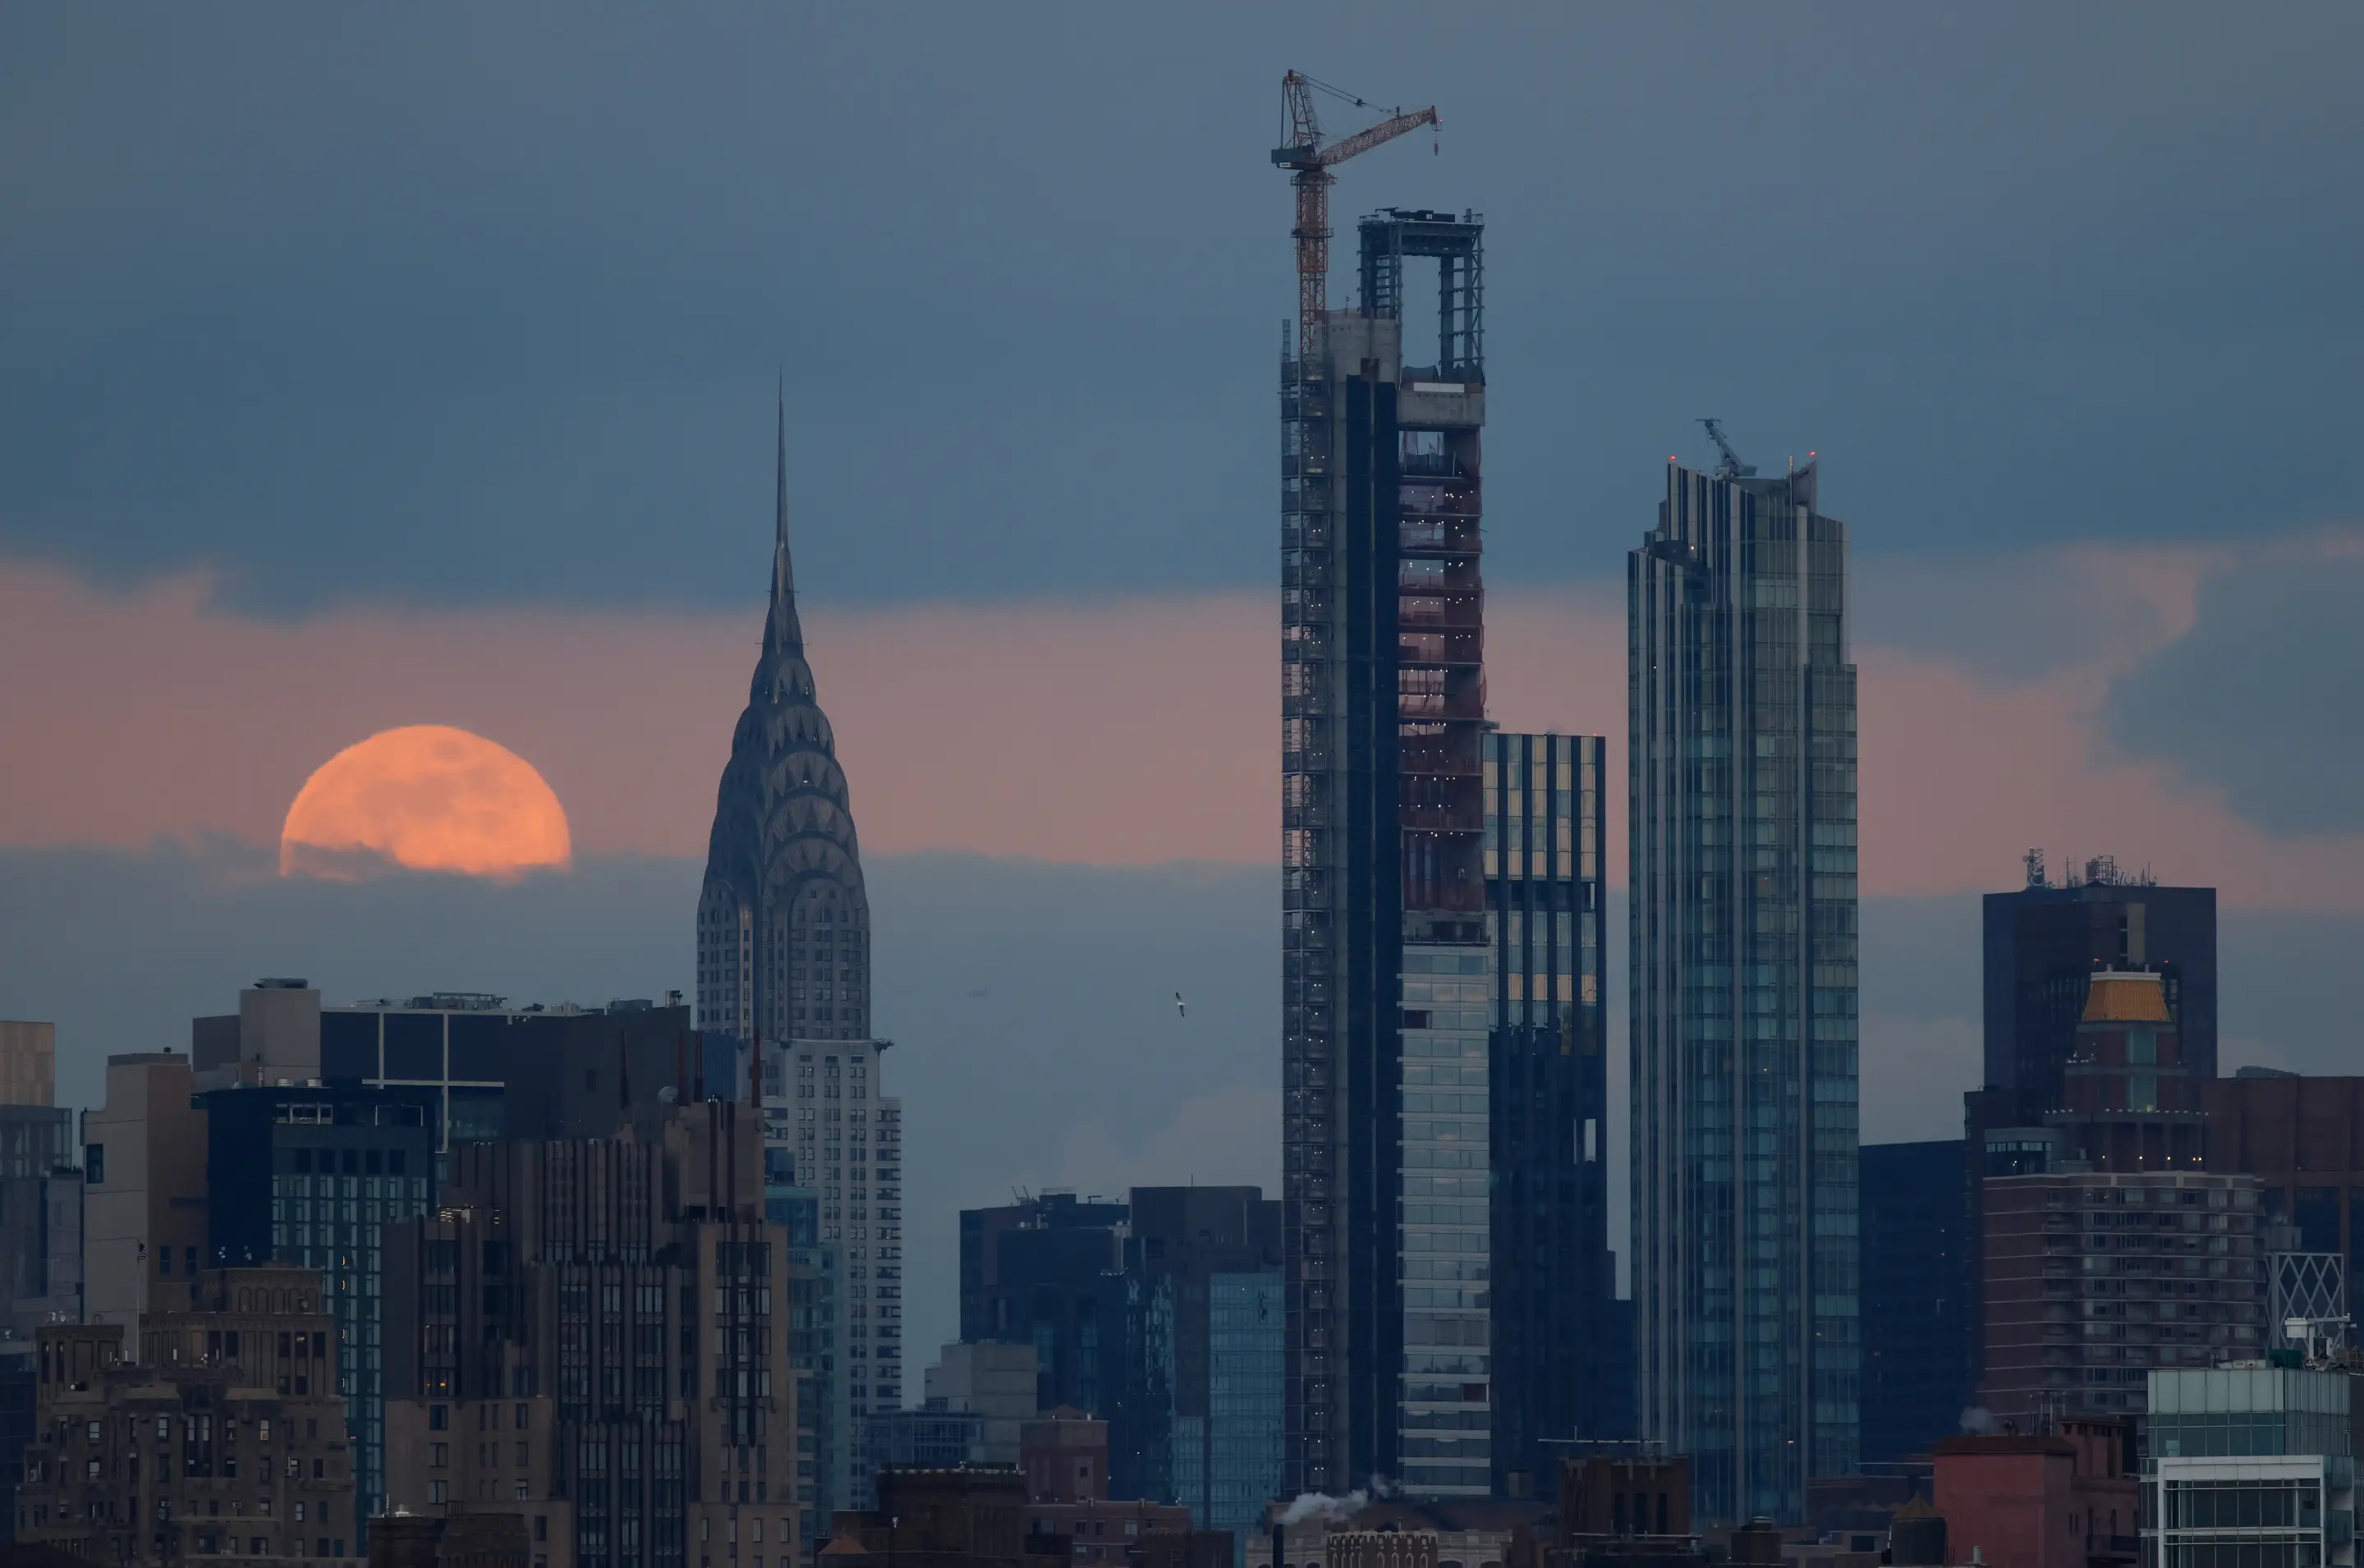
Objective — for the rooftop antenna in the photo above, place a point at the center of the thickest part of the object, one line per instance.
(1730, 467)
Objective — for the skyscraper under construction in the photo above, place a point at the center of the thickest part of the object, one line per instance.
(1385, 962)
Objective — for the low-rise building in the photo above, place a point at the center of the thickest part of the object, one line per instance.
(458, 1541)
(998, 1382)
(2289, 1511)
(1470, 1532)
(227, 1437)
(930, 1438)
(974, 1517)
(1104, 1532)
(2251, 1467)
(2066, 1498)
(1063, 1458)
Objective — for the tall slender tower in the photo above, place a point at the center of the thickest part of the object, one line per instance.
(783, 921)
(1742, 776)
(784, 980)
(1386, 968)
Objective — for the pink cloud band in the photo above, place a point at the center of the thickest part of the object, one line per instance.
(1132, 732)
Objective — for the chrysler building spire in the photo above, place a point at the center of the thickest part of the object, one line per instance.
(783, 921)
(781, 629)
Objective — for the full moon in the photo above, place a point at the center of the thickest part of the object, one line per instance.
(424, 797)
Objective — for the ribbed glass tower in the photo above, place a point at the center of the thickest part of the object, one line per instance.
(1742, 776)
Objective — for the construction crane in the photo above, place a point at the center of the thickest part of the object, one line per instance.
(1311, 163)
(1730, 467)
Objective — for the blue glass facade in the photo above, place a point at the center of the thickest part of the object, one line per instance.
(1244, 1351)
(1917, 1322)
(1553, 1277)
(311, 1176)
(1742, 789)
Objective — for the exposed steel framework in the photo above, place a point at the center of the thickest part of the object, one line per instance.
(1311, 163)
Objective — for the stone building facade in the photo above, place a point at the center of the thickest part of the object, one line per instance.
(593, 1334)
(227, 1437)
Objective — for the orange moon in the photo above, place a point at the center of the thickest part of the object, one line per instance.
(424, 797)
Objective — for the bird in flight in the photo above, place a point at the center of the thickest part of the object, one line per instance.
(1179, 1007)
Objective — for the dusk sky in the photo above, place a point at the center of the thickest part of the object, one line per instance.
(363, 368)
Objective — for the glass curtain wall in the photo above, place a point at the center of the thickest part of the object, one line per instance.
(1742, 761)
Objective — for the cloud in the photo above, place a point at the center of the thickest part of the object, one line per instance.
(2007, 619)
(2263, 697)
(394, 301)
(1128, 733)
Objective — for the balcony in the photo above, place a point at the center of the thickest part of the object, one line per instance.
(1456, 500)
(1438, 536)
(1419, 611)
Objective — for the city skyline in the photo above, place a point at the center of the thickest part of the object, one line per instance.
(1063, 734)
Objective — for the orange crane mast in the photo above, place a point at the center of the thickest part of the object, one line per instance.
(1311, 163)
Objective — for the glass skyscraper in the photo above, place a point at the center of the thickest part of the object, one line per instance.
(1243, 1374)
(1741, 763)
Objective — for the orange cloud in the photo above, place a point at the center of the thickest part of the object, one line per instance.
(1132, 732)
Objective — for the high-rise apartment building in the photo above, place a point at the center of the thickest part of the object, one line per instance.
(783, 944)
(1385, 969)
(839, 1137)
(2092, 1279)
(593, 1333)
(1741, 787)
(1554, 1276)
(2056, 1079)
